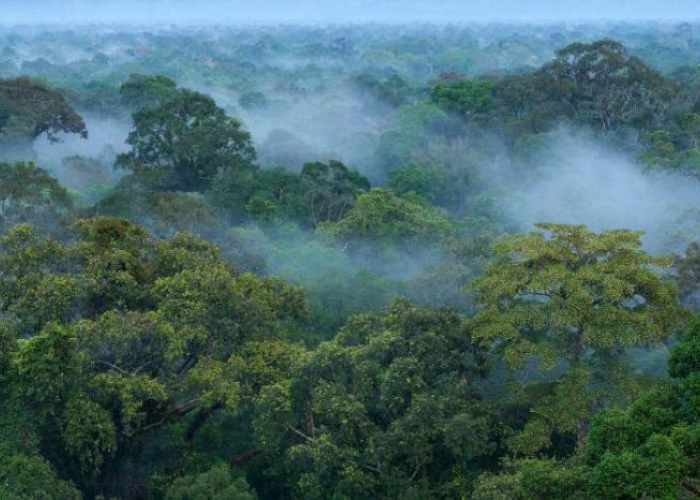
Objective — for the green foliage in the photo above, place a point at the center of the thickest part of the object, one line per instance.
(331, 279)
(573, 301)
(215, 484)
(533, 479)
(414, 178)
(466, 97)
(597, 85)
(182, 143)
(382, 216)
(29, 194)
(153, 333)
(386, 409)
(676, 147)
(654, 471)
(89, 434)
(605, 86)
(142, 91)
(29, 109)
(649, 450)
(321, 192)
(331, 190)
(614, 431)
(32, 478)
(393, 90)
(685, 365)
(147, 363)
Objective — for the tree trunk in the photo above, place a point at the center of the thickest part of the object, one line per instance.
(581, 431)
(244, 458)
(201, 418)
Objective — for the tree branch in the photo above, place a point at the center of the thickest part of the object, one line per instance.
(244, 458)
(114, 367)
(691, 489)
(179, 411)
(201, 418)
(301, 434)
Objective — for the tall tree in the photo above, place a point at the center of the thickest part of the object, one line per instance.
(649, 450)
(573, 302)
(183, 143)
(29, 109)
(147, 91)
(605, 86)
(114, 337)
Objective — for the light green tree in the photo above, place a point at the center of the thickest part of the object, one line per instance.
(572, 301)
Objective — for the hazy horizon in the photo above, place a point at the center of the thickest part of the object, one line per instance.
(351, 11)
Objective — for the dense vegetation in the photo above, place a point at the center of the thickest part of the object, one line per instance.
(296, 263)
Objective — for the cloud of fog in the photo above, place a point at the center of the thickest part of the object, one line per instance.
(329, 121)
(315, 11)
(311, 124)
(102, 133)
(581, 181)
(106, 138)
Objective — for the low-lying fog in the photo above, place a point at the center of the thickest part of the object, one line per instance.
(581, 181)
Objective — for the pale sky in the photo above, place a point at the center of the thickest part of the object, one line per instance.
(315, 11)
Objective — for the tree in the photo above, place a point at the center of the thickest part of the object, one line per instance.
(147, 91)
(29, 109)
(183, 143)
(648, 450)
(676, 146)
(415, 178)
(232, 189)
(573, 302)
(215, 484)
(387, 409)
(381, 216)
(533, 479)
(29, 194)
(276, 193)
(597, 85)
(468, 98)
(31, 478)
(322, 192)
(393, 90)
(120, 337)
(331, 190)
(654, 470)
(651, 449)
(606, 87)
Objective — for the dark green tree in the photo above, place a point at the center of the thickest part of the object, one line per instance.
(182, 144)
(116, 338)
(330, 190)
(388, 409)
(29, 109)
(142, 91)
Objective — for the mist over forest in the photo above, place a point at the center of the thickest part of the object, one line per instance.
(33, 12)
(349, 250)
